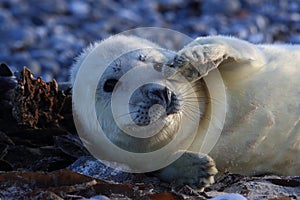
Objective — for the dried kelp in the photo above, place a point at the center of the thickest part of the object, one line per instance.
(37, 104)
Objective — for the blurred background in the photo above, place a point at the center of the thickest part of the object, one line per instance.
(46, 35)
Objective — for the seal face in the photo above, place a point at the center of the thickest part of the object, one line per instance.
(152, 103)
(148, 103)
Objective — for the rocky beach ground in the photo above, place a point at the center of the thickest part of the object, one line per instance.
(47, 35)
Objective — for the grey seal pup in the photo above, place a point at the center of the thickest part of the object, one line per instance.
(261, 129)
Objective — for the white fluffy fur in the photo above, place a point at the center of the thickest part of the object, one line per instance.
(261, 133)
(262, 126)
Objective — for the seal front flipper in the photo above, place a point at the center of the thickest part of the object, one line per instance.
(204, 54)
(193, 169)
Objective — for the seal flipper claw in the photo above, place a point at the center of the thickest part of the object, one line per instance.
(194, 62)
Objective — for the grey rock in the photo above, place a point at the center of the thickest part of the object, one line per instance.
(229, 7)
(229, 197)
(43, 54)
(46, 76)
(79, 8)
(90, 166)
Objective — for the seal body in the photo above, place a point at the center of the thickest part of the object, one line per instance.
(261, 133)
(262, 125)
(261, 129)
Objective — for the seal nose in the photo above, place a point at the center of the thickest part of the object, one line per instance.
(152, 102)
(159, 95)
(164, 97)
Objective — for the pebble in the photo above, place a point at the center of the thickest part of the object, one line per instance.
(79, 8)
(35, 67)
(98, 197)
(49, 34)
(229, 197)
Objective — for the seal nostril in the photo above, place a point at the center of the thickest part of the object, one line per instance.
(160, 95)
(168, 96)
(164, 97)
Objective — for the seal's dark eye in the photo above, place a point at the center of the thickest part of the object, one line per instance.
(109, 85)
